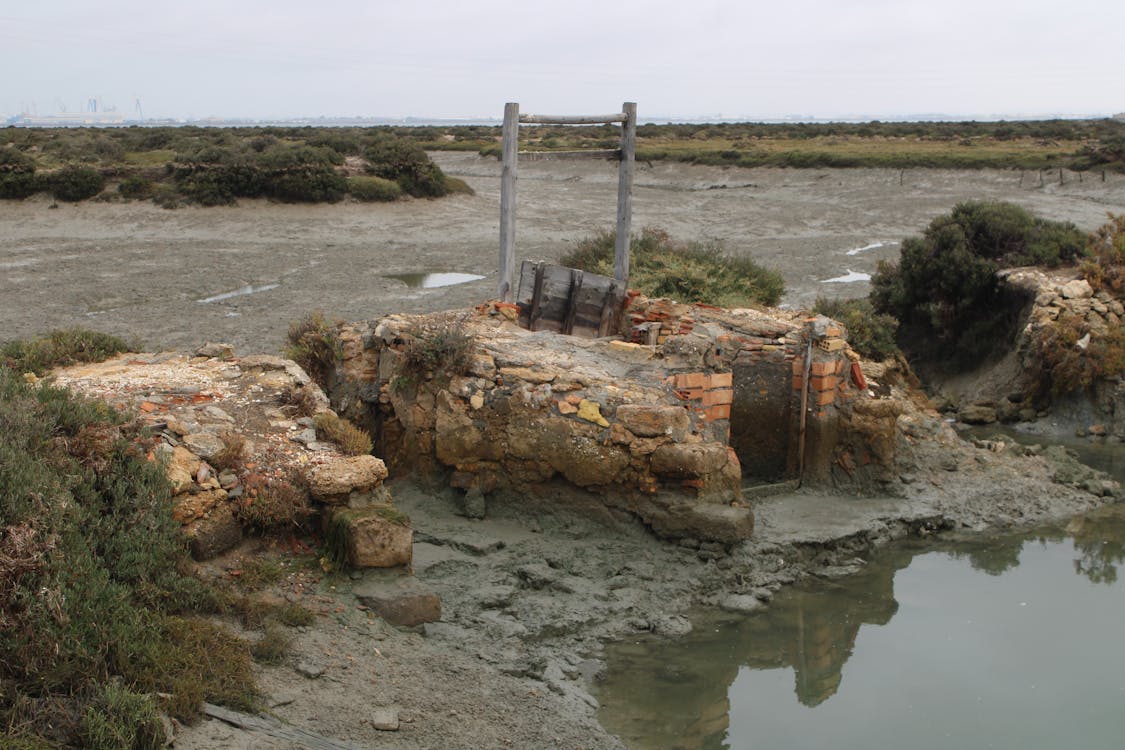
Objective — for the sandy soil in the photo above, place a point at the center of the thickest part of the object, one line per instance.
(140, 271)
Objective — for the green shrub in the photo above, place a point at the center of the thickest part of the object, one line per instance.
(167, 196)
(76, 183)
(305, 184)
(870, 333)
(350, 439)
(373, 189)
(314, 345)
(136, 188)
(688, 272)
(17, 175)
(59, 349)
(218, 184)
(944, 290)
(408, 165)
(121, 719)
(92, 581)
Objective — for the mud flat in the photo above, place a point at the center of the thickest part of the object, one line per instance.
(178, 278)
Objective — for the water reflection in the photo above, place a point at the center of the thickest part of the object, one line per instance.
(1027, 650)
(811, 630)
(1100, 538)
(434, 280)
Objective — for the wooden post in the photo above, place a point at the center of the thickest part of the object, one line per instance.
(510, 153)
(536, 296)
(625, 196)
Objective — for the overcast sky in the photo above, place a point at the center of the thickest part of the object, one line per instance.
(465, 58)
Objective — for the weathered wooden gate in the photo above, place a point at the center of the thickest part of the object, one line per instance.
(578, 304)
(566, 300)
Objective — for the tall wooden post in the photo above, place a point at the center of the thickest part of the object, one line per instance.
(625, 196)
(510, 153)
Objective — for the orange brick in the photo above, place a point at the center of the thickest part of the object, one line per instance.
(689, 380)
(798, 366)
(798, 382)
(841, 363)
(824, 382)
(718, 396)
(857, 377)
(823, 368)
(722, 380)
(718, 411)
(824, 398)
(832, 331)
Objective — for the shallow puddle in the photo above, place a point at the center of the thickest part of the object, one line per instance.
(1010, 642)
(434, 280)
(848, 278)
(240, 292)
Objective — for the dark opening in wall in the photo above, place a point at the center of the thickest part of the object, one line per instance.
(762, 416)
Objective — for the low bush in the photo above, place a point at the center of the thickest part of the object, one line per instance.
(686, 271)
(350, 439)
(373, 189)
(314, 345)
(60, 348)
(76, 183)
(870, 333)
(94, 600)
(305, 184)
(407, 164)
(233, 455)
(1104, 266)
(17, 175)
(136, 188)
(944, 291)
(274, 505)
(444, 349)
(1065, 364)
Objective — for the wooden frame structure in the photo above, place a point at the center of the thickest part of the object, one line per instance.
(511, 155)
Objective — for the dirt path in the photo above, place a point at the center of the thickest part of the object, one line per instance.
(142, 272)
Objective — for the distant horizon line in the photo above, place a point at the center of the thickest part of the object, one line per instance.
(92, 118)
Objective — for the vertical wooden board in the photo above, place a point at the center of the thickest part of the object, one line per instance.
(510, 154)
(625, 194)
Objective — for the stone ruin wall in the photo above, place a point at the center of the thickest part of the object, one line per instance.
(669, 431)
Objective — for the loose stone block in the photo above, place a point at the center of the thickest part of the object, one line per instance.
(333, 480)
(378, 537)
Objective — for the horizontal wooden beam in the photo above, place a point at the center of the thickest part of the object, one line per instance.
(590, 153)
(572, 119)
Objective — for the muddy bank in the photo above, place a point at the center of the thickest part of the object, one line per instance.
(144, 272)
(531, 594)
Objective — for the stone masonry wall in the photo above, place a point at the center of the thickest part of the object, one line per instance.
(644, 428)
